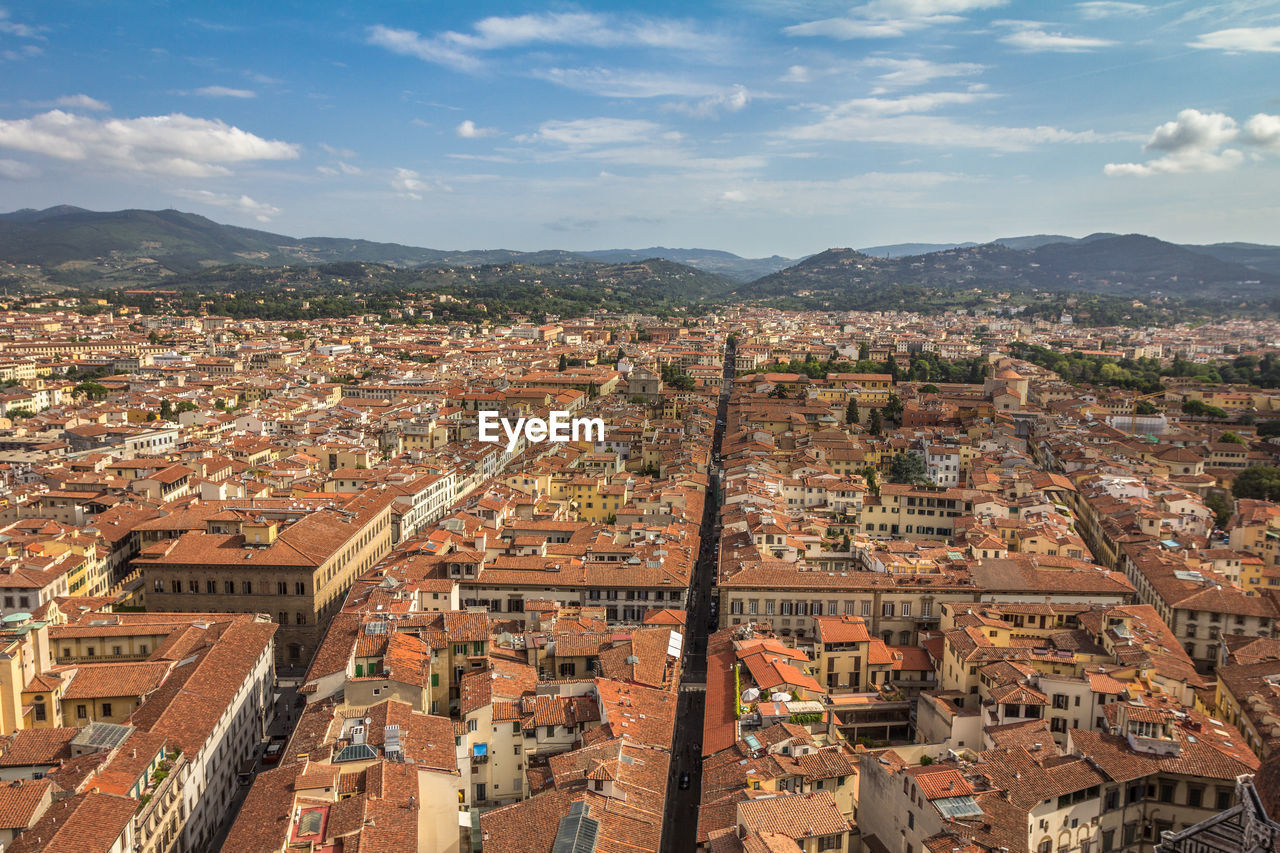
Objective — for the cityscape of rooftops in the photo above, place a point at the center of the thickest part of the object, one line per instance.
(771, 426)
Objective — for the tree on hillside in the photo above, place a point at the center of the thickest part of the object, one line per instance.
(1221, 508)
(872, 476)
(92, 390)
(1231, 438)
(1261, 482)
(876, 425)
(166, 410)
(564, 363)
(851, 414)
(893, 408)
(907, 468)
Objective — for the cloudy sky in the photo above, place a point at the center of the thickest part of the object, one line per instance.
(756, 126)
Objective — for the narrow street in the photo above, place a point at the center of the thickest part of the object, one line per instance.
(680, 832)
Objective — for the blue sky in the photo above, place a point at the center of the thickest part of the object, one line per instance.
(753, 126)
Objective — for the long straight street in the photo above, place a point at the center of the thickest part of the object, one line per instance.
(680, 832)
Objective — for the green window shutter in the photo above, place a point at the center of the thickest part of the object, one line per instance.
(359, 670)
(435, 679)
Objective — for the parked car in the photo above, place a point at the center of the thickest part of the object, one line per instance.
(684, 781)
(271, 755)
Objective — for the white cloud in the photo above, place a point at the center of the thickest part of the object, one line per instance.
(901, 121)
(26, 51)
(469, 130)
(1264, 131)
(609, 83)
(1196, 142)
(260, 211)
(796, 74)
(1031, 37)
(925, 8)
(224, 92)
(14, 170)
(586, 132)
(345, 153)
(8, 26)
(1095, 10)
(459, 50)
(1241, 40)
(921, 102)
(173, 144)
(731, 100)
(904, 73)
(409, 184)
(890, 18)
(82, 102)
(410, 43)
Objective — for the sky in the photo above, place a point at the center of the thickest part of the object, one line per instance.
(753, 126)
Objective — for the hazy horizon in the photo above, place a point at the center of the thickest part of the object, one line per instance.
(789, 126)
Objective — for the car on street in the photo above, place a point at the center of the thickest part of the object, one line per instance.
(273, 752)
(684, 781)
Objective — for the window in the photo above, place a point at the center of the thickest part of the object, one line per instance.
(90, 652)
(435, 679)
(300, 588)
(246, 587)
(926, 608)
(211, 587)
(471, 725)
(1060, 700)
(1224, 799)
(142, 649)
(866, 608)
(906, 608)
(829, 842)
(1195, 796)
(282, 618)
(106, 709)
(1108, 840)
(157, 586)
(40, 712)
(1166, 792)
(82, 712)
(886, 608)
(300, 618)
(115, 650)
(229, 587)
(282, 588)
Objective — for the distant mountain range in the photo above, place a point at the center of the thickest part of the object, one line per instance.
(1127, 265)
(69, 241)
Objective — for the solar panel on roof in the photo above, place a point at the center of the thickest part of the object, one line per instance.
(310, 823)
(102, 735)
(356, 752)
(375, 628)
(953, 807)
(577, 832)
